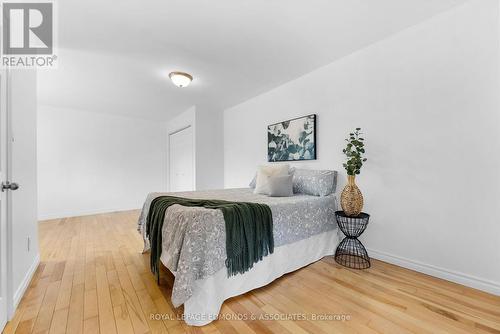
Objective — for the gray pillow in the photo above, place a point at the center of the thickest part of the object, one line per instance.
(314, 182)
(281, 186)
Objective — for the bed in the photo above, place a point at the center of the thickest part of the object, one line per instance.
(193, 246)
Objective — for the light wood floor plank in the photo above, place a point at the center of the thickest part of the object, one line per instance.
(93, 278)
(91, 326)
(106, 313)
(76, 309)
(59, 321)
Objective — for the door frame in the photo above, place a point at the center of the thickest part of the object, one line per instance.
(5, 218)
(173, 132)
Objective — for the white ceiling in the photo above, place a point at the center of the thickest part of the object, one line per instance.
(115, 56)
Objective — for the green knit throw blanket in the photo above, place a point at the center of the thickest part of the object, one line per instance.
(249, 230)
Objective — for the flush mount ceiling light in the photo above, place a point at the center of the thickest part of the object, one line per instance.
(180, 79)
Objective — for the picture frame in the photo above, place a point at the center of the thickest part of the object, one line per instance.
(292, 140)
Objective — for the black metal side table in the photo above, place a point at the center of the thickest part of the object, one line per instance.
(350, 252)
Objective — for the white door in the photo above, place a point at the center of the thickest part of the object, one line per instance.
(181, 160)
(3, 200)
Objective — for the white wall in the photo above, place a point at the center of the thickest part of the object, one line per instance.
(23, 202)
(427, 99)
(210, 148)
(94, 162)
(208, 133)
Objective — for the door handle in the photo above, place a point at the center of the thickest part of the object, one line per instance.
(9, 186)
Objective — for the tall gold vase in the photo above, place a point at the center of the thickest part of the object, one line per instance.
(351, 198)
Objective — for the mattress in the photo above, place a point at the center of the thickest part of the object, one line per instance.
(193, 244)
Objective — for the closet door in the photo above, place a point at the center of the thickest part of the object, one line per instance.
(181, 160)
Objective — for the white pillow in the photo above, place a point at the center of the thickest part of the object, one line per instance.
(263, 174)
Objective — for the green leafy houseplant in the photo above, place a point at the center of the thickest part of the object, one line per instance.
(354, 152)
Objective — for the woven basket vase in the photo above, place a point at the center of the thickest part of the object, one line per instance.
(351, 198)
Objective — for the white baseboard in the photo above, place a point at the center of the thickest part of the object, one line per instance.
(59, 215)
(16, 299)
(449, 275)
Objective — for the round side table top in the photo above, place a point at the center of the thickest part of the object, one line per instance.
(362, 215)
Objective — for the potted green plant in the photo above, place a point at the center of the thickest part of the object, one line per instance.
(351, 198)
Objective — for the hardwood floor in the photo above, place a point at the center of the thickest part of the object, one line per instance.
(93, 278)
